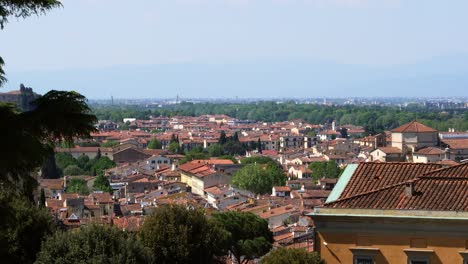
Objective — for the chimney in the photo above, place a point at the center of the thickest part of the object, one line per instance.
(447, 153)
(409, 189)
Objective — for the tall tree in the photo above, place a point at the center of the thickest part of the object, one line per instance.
(101, 164)
(154, 144)
(176, 234)
(235, 137)
(292, 256)
(58, 116)
(344, 132)
(216, 150)
(259, 145)
(73, 170)
(49, 167)
(22, 228)
(258, 179)
(76, 185)
(250, 237)
(93, 244)
(42, 199)
(101, 183)
(222, 138)
(327, 169)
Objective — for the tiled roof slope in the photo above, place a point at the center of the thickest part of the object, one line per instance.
(439, 194)
(371, 176)
(441, 190)
(458, 171)
(413, 126)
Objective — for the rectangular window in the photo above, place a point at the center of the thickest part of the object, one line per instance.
(419, 262)
(363, 260)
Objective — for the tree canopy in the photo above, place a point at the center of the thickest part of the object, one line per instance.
(258, 160)
(176, 234)
(73, 170)
(291, 256)
(93, 244)
(95, 166)
(101, 183)
(374, 119)
(154, 144)
(32, 135)
(324, 169)
(259, 179)
(76, 185)
(22, 228)
(110, 144)
(249, 234)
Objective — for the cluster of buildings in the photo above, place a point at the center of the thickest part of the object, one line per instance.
(403, 194)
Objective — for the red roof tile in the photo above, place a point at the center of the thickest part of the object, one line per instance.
(370, 176)
(413, 126)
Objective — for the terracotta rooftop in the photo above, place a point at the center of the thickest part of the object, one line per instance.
(440, 190)
(413, 126)
(461, 143)
(282, 188)
(430, 151)
(430, 193)
(390, 150)
(370, 176)
(458, 171)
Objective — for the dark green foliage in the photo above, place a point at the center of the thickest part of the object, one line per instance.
(101, 183)
(250, 237)
(191, 155)
(292, 256)
(57, 116)
(174, 147)
(64, 160)
(154, 144)
(89, 144)
(374, 118)
(110, 144)
(259, 179)
(73, 170)
(49, 168)
(327, 169)
(2, 72)
(344, 132)
(228, 157)
(22, 8)
(258, 160)
(76, 185)
(174, 139)
(176, 234)
(22, 227)
(98, 155)
(216, 150)
(42, 199)
(83, 162)
(93, 244)
(87, 166)
(222, 138)
(102, 164)
(231, 145)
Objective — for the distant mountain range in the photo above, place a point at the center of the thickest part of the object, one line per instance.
(447, 76)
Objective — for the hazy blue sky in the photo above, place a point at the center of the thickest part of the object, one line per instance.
(222, 48)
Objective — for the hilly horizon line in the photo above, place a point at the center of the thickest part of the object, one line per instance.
(439, 77)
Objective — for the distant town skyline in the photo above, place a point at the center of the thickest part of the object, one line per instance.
(242, 48)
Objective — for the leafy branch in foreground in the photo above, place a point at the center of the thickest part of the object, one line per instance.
(57, 116)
